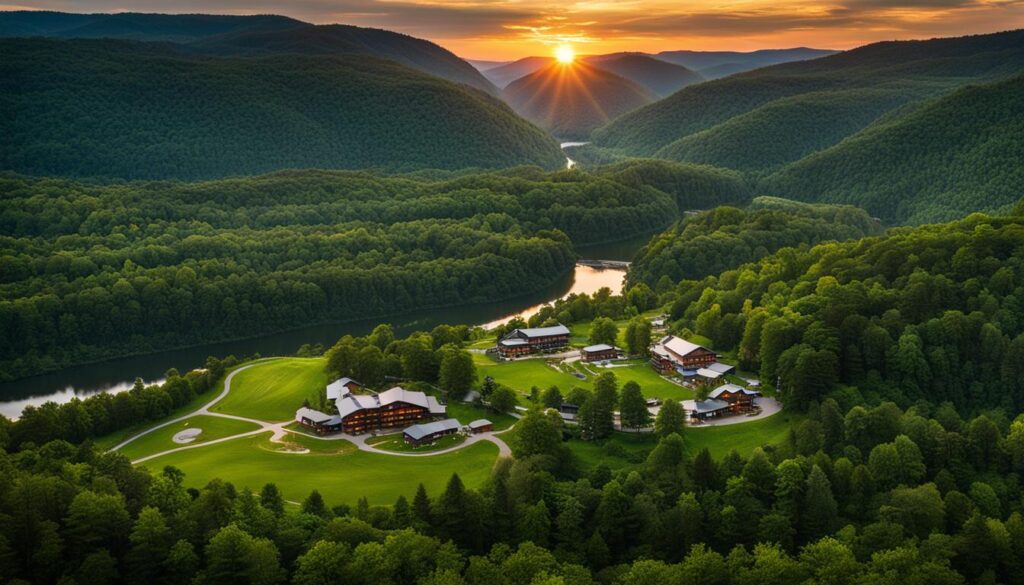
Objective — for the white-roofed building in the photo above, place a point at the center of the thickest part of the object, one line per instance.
(417, 435)
(394, 407)
(342, 387)
(319, 421)
(672, 353)
(600, 353)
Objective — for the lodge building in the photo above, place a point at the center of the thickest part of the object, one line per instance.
(417, 435)
(522, 342)
(671, 354)
(361, 413)
(600, 352)
(727, 399)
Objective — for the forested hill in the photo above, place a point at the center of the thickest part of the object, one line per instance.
(271, 34)
(660, 77)
(146, 110)
(931, 314)
(726, 237)
(91, 271)
(571, 100)
(810, 104)
(955, 155)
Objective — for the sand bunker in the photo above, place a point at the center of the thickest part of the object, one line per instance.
(186, 436)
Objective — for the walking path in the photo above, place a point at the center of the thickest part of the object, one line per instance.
(278, 431)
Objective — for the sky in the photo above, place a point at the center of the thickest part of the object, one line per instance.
(509, 29)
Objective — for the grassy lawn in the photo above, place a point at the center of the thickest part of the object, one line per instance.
(213, 427)
(521, 375)
(274, 390)
(467, 413)
(619, 451)
(396, 442)
(340, 477)
(742, 437)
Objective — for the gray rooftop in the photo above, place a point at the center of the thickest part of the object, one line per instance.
(599, 347)
(721, 368)
(732, 389)
(545, 331)
(316, 416)
(710, 405)
(417, 432)
(480, 422)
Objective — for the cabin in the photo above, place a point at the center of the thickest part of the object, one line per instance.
(710, 408)
(600, 352)
(532, 340)
(739, 399)
(481, 425)
(423, 434)
(342, 387)
(321, 422)
(672, 354)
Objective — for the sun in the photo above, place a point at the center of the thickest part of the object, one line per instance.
(564, 54)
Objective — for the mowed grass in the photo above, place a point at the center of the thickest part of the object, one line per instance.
(467, 413)
(744, 437)
(396, 442)
(274, 390)
(521, 375)
(213, 427)
(340, 478)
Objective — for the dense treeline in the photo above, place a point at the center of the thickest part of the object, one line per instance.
(714, 241)
(875, 496)
(96, 270)
(930, 313)
(957, 154)
(149, 111)
(924, 68)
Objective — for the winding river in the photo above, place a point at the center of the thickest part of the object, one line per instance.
(119, 374)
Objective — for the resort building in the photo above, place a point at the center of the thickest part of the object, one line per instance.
(727, 399)
(522, 342)
(321, 422)
(342, 387)
(481, 425)
(361, 413)
(417, 435)
(600, 352)
(714, 371)
(673, 354)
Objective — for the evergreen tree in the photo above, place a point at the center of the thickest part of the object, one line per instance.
(820, 512)
(633, 407)
(671, 419)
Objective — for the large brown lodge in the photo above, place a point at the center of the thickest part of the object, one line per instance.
(361, 413)
(672, 353)
(522, 342)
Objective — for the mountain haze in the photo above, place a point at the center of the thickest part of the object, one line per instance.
(660, 77)
(571, 100)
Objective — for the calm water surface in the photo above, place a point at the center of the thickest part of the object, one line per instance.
(118, 375)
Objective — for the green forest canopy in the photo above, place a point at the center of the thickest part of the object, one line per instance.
(95, 270)
(147, 111)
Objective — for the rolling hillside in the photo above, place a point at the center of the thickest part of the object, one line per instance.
(571, 100)
(658, 76)
(503, 75)
(953, 156)
(145, 110)
(717, 64)
(811, 104)
(237, 35)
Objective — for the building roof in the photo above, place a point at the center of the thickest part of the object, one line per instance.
(680, 346)
(417, 432)
(599, 347)
(544, 331)
(339, 388)
(316, 416)
(399, 394)
(708, 373)
(710, 405)
(732, 389)
(513, 341)
(435, 407)
(721, 368)
(354, 403)
(480, 422)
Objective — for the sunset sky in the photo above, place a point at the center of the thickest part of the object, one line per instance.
(508, 29)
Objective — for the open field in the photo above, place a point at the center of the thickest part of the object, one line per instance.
(396, 442)
(214, 427)
(742, 437)
(340, 478)
(273, 391)
(522, 374)
(467, 413)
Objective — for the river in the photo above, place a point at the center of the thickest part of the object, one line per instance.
(119, 374)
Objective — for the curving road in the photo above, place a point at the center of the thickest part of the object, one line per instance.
(278, 431)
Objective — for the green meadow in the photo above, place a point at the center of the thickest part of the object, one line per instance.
(273, 391)
(341, 477)
(213, 427)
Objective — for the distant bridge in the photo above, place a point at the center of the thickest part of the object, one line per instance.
(620, 264)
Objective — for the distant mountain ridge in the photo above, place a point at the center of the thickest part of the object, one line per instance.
(242, 35)
(658, 76)
(571, 100)
(716, 64)
(138, 110)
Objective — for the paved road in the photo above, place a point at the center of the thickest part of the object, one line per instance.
(278, 431)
